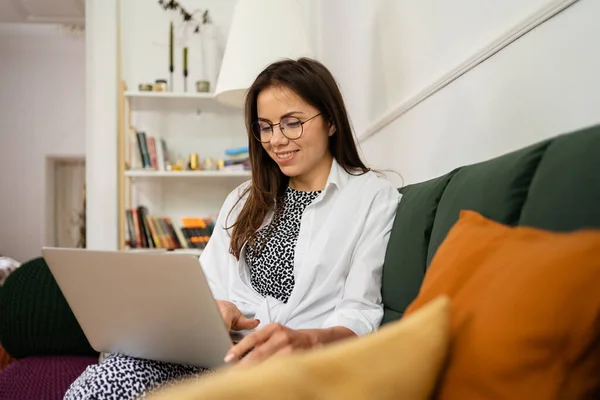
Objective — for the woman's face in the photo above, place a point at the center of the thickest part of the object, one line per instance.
(306, 158)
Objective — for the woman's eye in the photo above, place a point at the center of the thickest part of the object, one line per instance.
(293, 124)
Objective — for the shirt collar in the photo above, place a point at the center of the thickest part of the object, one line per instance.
(337, 176)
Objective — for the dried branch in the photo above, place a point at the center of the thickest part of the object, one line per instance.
(173, 5)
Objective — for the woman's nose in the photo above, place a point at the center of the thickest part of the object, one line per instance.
(278, 137)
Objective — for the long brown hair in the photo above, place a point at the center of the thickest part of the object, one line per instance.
(313, 82)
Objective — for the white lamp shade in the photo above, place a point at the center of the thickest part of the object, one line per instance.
(262, 32)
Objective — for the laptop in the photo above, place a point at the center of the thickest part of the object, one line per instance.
(152, 305)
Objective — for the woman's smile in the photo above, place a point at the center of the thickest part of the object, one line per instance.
(285, 156)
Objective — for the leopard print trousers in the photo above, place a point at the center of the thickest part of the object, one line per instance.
(120, 377)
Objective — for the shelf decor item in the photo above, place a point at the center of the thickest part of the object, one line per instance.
(145, 87)
(171, 66)
(185, 68)
(193, 163)
(173, 5)
(202, 86)
(189, 21)
(160, 85)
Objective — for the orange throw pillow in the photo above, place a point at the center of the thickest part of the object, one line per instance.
(5, 358)
(525, 319)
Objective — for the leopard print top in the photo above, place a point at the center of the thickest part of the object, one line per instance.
(272, 268)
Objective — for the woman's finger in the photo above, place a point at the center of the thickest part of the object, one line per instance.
(248, 343)
(276, 342)
(227, 313)
(246, 361)
(284, 351)
(244, 323)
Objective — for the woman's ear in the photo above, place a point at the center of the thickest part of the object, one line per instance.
(331, 129)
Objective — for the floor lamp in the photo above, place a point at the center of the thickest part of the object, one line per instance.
(262, 31)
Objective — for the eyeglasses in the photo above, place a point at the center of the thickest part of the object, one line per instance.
(291, 127)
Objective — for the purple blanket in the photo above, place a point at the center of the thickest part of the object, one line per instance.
(41, 378)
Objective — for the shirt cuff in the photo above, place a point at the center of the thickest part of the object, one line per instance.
(356, 321)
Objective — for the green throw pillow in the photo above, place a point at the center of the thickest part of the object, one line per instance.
(35, 318)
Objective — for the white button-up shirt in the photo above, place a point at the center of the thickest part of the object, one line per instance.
(338, 257)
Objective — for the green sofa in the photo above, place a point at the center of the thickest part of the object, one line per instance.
(554, 185)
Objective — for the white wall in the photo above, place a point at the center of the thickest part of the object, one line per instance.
(543, 84)
(42, 115)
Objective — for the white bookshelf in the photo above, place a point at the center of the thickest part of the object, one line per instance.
(188, 174)
(189, 123)
(170, 95)
(193, 252)
(174, 101)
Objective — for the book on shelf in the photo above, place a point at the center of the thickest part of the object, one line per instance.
(147, 231)
(152, 154)
(236, 159)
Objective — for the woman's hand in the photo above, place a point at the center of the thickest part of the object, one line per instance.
(271, 340)
(276, 339)
(233, 317)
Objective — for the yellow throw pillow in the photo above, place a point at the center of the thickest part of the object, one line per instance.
(400, 361)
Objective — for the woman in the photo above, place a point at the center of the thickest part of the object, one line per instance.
(297, 252)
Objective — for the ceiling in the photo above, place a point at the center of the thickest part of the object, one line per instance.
(43, 11)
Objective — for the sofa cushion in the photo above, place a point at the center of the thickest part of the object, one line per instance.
(400, 361)
(496, 188)
(406, 254)
(565, 191)
(41, 378)
(35, 318)
(525, 311)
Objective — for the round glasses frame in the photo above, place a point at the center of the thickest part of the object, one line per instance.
(286, 121)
